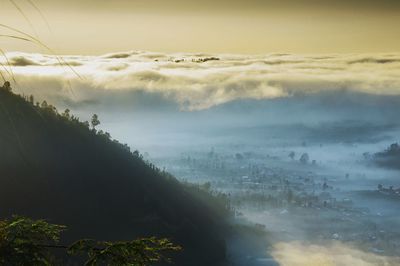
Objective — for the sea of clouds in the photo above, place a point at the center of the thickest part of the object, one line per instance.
(199, 81)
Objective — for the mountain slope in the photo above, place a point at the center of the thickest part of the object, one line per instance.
(54, 167)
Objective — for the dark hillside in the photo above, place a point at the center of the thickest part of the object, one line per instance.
(56, 168)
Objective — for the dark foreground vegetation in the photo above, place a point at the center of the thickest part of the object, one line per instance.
(54, 167)
(27, 242)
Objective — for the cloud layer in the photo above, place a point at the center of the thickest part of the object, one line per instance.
(201, 81)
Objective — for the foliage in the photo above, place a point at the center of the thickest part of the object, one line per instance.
(24, 241)
(139, 252)
(95, 121)
(304, 158)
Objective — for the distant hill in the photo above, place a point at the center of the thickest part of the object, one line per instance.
(54, 167)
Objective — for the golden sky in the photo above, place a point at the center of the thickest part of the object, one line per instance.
(235, 26)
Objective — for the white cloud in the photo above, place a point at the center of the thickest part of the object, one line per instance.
(200, 85)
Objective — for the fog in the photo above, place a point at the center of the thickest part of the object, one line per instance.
(327, 211)
(293, 149)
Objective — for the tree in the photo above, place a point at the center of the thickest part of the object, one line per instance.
(95, 121)
(24, 241)
(304, 158)
(66, 113)
(138, 252)
(44, 105)
(31, 99)
(7, 86)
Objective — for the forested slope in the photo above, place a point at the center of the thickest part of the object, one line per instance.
(54, 167)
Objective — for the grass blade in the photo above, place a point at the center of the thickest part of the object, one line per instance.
(30, 2)
(24, 15)
(40, 43)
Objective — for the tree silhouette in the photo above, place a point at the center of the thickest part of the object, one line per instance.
(7, 86)
(66, 113)
(95, 121)
(31, 99)
(304, 158)
(44, 105)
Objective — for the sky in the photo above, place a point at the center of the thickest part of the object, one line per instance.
(94, 27)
